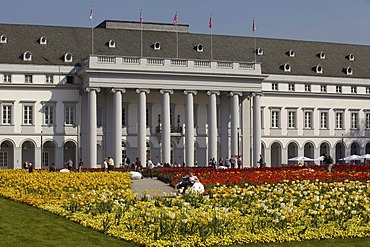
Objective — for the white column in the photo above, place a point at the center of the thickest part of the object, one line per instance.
(235, 122)
(166, 127)
(256, 128)
(212, 124)
(117, 125)
(92, 162)
(141, 122)
(189, 127)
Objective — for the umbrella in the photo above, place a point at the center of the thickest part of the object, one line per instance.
(301, 158)
(321, 158)
(353, 157)
(365, 156)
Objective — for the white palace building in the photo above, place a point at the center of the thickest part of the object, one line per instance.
(125, 90)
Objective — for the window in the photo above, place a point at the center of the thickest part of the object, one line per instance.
(7, 78)
(353, 89)
(147, 117)
(148, 151)
(323, 88)
(124, 152)
(69, 115)
(338, 89)
(124, 116)
(274, 86)
(28, 78)
(339, 120)
(291, 119)
(45, 158)
(3, 159)
(367, 120)
(291, 87)
(69, 79)
(323, 120)
(354, 120)
(308, 120)
(49, 79)
(307, 88)
(7, 114)
(48, 115)
(368, 90)
(27, 114)
(275, 119)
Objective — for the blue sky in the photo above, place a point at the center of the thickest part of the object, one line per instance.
(340, 21)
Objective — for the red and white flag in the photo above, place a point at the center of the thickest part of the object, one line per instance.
(210, 22)
(141, 16)
(175, 20)
(253, 25)
(91, 13)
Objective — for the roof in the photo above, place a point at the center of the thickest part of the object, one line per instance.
(77, 41)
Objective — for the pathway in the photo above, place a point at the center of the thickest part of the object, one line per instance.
(153, 186)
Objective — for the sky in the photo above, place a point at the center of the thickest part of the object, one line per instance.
(338, 21)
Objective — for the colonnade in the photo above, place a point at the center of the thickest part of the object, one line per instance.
(212, 134)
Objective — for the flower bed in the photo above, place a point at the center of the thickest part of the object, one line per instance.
(269, 205)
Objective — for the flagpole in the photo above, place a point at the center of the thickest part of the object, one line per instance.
(210, 27)
(92, 30)
(254, 41)
(141, 33)
(175, 22)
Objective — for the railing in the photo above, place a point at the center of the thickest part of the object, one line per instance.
(246, 65)
(173, 129)
(130, 60)
(155, 61)
(171, 64)
(228, 65)
(200, 63)
(106, 59)
(179, 62)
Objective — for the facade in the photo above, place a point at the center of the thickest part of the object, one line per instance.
(123, 90)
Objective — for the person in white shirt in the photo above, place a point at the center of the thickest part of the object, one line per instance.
(150, 167)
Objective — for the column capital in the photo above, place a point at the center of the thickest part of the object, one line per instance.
(186, 92)
(235, 93)
(213, 92)
(89, 89)
(114, 90)
(145, 90)
(163, 91)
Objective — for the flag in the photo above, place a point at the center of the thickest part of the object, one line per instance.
(91, 13)
(210, 22)
(253, 25)
(141, 16)
(175, 20)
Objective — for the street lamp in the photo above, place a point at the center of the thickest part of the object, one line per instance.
(238, 142)
(42, 155)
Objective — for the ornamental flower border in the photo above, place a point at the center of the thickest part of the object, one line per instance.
(240, 206)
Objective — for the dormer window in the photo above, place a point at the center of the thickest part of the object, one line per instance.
(259, 51)
(351, 57)
(68, 58)
(290, 53)
(112, 43)
(156, 46)
(348, 70)
(321, 55)
(199, 48)
(319, 69)
(43, 40)
(3, 39)
(287, 67)
(27, 56)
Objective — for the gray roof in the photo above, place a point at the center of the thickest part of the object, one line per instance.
(77, 41)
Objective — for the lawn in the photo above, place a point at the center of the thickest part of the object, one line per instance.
(22, 225)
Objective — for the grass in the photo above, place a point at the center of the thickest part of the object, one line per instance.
(22, 225)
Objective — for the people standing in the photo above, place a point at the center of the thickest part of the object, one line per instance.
(110, 163)
(138, 166)
(105, 164)
(30, 168)
(52, 168)
(150, 167)
(328, 161)
(80, 164)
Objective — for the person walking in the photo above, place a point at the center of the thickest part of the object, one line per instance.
(110, 163)
(150, 167)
